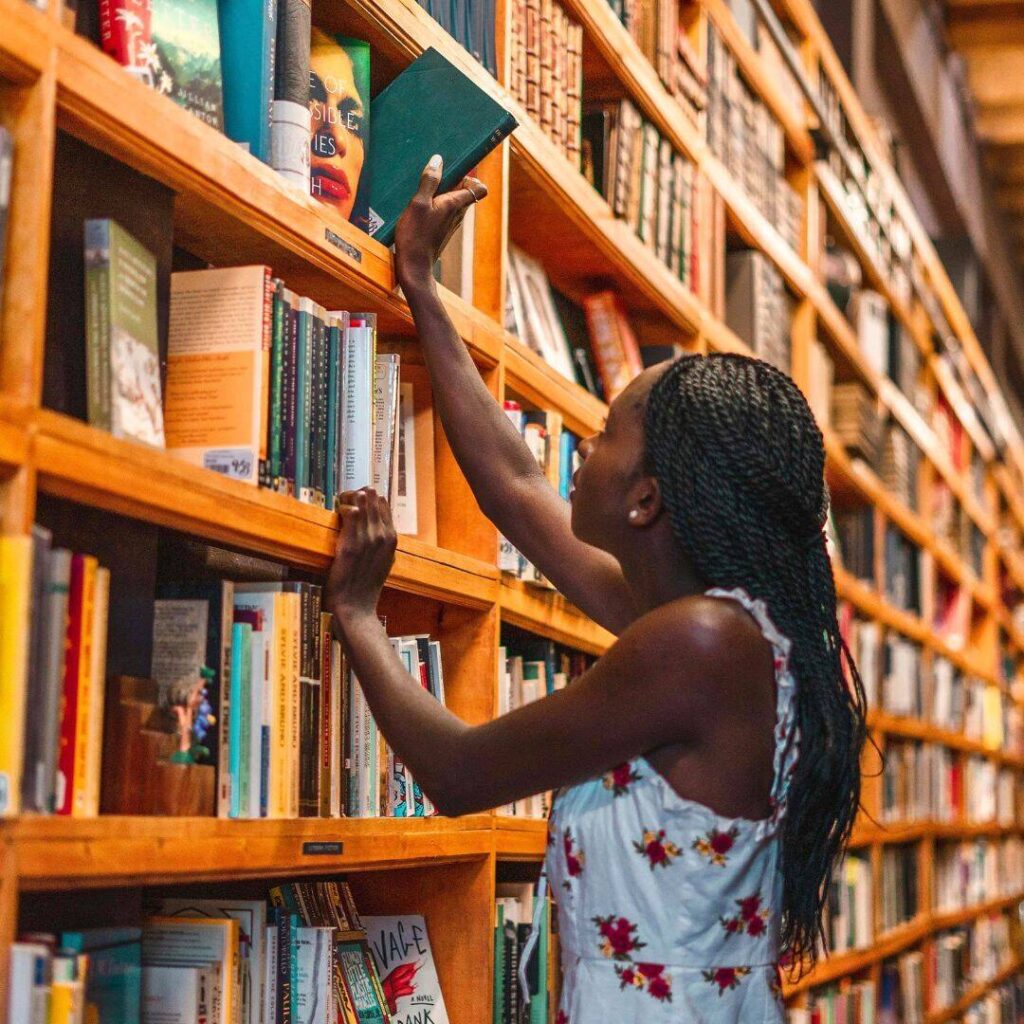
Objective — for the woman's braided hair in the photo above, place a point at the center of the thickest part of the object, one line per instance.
(740, 462)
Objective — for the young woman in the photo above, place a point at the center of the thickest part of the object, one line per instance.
(708, 764)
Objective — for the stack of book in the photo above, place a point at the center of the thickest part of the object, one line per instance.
(856, 421)
(748, 140)
(66, 648)
(901, 990)
(855, 529)
(970, 955)
(470, 23)
(849, 910)
(900, 462)
(899, 902)
(918, 782)
(975, 871)
(821, 373)
(863, 638)
(654, 26)
(307, 956)
(902, 563)
(902, 682)
(646, 182)
(847, 1003)
(547, 71)
(514, 914)
(758, 307)
(688, 81)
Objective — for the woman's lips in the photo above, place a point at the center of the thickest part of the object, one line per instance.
(333, 183)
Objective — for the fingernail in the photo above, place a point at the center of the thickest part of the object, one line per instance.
(435, 162)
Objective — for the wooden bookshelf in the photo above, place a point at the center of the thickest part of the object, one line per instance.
(229, 208)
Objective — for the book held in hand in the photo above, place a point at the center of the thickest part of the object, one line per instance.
(412, 119)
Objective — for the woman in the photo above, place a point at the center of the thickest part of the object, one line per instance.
(708, 763)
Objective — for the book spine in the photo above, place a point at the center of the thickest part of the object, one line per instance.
(15, 601)
(546, 39)
(264, 388)
(333, 402)
(235, 727)
(290, 115)
(276, 379)
(357, 403)
(97, 321)
(303, 375)
(326, 724)
(79, 723)
(532, 61)
(318, 432)
(289, 386)
(269, 65)
(90, 804)
(223, 725)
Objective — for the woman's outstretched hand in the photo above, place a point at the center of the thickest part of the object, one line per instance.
(428, 222)
(365, 554)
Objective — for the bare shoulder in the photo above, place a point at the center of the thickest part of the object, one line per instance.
(697, 642)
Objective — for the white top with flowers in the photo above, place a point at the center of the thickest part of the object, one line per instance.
(666, 910)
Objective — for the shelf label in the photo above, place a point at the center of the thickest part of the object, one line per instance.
(323, 848)
(346, 247)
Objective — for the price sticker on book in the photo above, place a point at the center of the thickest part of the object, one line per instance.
(233, 462)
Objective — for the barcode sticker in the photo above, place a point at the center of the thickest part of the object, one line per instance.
(236, 463)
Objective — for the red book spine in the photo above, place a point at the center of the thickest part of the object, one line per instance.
(69, 697)
(126, 32)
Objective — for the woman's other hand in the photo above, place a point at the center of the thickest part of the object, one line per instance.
(428, 222)
(366, 552)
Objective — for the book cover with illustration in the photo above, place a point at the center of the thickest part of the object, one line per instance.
(171, 45)
(401, 951)
(339, 107)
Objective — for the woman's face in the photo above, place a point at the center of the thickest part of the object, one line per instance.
(613, 463)
(338, 142)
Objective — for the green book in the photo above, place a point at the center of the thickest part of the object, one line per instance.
(498, 1014)
(431, 107)
(122, 355)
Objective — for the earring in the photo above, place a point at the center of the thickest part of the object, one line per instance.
(633, 513)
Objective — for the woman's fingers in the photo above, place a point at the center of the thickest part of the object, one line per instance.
(430, 179)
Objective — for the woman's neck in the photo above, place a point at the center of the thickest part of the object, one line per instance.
(658, 570)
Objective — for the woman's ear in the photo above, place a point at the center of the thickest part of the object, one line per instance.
(644, 502)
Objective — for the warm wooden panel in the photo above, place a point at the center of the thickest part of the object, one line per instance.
(548, 613)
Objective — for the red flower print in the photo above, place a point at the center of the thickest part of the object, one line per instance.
(716, 845)
(752, 918)
(650, 978)
(574, 859)
(562, 1018)
(656, 849)
(618, 937)
(629, 976)
(400, 982)
(620, 778)
(726, 978)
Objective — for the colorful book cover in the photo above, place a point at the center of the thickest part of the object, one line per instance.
(405, 963)
(350, 955)
(113, 987)
(171, 45)
(248, 42)
(123, 362)
(339, 106)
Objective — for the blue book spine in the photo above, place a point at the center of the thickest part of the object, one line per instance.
(567, 445)
(264, 770)
(248, 29)
(235, 758)
(293, 946)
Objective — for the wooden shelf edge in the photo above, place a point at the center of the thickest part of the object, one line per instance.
(54, 853)
(548, 613)
(80, 463)
(26, 44)
(976, 992)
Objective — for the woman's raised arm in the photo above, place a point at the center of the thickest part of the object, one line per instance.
(503, 474)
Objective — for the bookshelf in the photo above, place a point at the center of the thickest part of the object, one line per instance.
(231, 209)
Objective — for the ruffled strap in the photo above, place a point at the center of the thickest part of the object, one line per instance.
(787, 732)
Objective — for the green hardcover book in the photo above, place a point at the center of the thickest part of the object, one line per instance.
(431, 107)
(303, 399)
(498, 1014)
(122, 359)
(339, 107)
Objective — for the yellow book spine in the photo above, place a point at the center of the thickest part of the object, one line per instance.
(94, 746)
(279, 712)
(79, 785)
(15, 598)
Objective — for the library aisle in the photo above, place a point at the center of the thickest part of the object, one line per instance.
(203, 342)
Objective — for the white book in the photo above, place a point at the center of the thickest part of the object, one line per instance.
(28, 1000)
(176, 995)
(270, 976)
(358, 353)
(385, 416)
(400, 943)
(403, 467)
(251, 916)
(315, 992)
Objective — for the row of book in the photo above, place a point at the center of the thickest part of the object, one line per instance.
(471, 23)
(646, 182)
(965, 874)
(758, 308)
(593, 345)
(546, 74)
(849, 921)
(898, 899)
(263, 385)
(970, 955)
(744, 135)
(305, 954)
(924, 781)
(514, 921)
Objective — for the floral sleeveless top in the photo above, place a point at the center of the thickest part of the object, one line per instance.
(667, 911)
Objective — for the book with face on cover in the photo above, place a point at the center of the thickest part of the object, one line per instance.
(412, 119)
